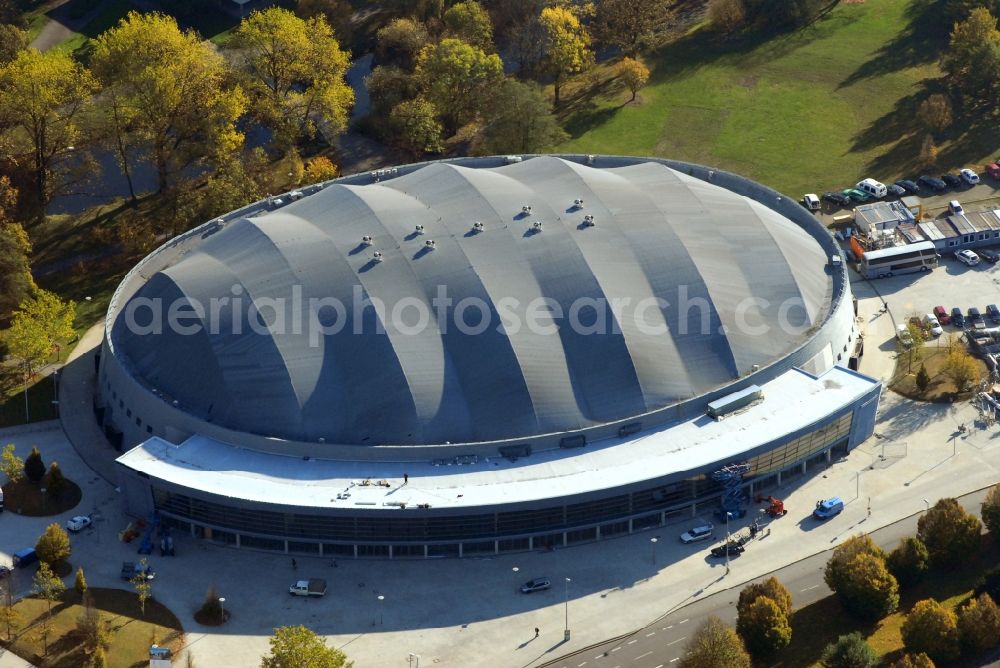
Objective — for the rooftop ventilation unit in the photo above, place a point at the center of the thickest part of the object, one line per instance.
(526, 209)
(430, 244)
(588, 221)
(419, 229)
(537, 226)
(578, 203)
(377, 256)
(366, 240)
(510, 159)
(477, 226)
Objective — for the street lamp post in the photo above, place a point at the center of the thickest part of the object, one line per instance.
(726, 547)
(43, 490)
(927, 505)
(380, 599)
(222, 609)
(566, 632)
(653, 541)
(413, 660)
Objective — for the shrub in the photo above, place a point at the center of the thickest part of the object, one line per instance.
(764, 628)
(849, 651)
(920, 660)
(932, 629)
(54, 481)
(979, 623)
(950, 533)
(53, 545)
(80, 583)
(989, 584)
(908, 562)
(34, 467)
(714, 644)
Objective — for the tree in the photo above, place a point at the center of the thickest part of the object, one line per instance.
(518, 120)
(399, 42)
(456, 78)
(908, 562)
(43, 96)
(869, 591)
(295, 72)
(99, 659)
(166, 94)
(923, 379)
(54, 481)
(837, 571)
(336, 12)
(935, 113)
(416, 128)
(34, 467)
(764, 627)
(990, 510)
(714, 644)
(48, 586)
(300, 647)
(319, 169)
(13, 40)
(634, 74)
(950, 533)
(143, 585)
(35, 330)
(771, 588)
(16, 282)
(933, 629)
(11, 465)
(989, 584)
(915, 351)
(630, 24)
(727, 15)
(567, 46)
(972, 60)
(211, 608)
(10, 618)
(53, 546)
(92, 629)
(80, 582)
(908, 660)
(928, 152)
(469, 22)
(979, 623)
(849, 651)
(962, 369)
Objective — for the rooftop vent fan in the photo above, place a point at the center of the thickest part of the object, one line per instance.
(588, 221)
(526, 209)
(430, 244)
(366, 240)
(477, 226)
(377, 256)
(537, 226)
(578, 203)
(419, 229)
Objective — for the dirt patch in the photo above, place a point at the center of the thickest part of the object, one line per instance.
(941, 389)
(25, 498)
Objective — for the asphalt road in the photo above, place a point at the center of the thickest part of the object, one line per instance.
(661, 643)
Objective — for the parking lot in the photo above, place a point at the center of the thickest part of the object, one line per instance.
(984, 196)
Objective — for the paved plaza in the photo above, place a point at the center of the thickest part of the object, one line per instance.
(468, 612)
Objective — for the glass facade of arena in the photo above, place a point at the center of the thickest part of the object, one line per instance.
(410, 535)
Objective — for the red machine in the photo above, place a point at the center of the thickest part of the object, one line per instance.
(775, 507)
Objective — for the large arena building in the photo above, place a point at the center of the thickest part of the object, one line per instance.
(479, 355)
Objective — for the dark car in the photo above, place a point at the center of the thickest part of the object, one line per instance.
(957, 318)
(734, 549)
(840, 199)
(895, 190)
(932, 183)
(975, 319)
(994, 313)
(909, 186)
(131, 570)
(952, 180)
(989, 255)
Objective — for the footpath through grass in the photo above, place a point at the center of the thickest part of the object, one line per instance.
(808, 111)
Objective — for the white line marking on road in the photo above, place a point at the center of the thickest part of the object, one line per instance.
(651, 633)
(684, 621)
(642, 656)
(599, 656)
(809, 588)
(660, 666)
(631, 642)
(668, 627)
(616, 648)
(674, 642)
(581, 665)
(674, 659)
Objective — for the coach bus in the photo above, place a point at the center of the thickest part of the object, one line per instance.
(886, 262)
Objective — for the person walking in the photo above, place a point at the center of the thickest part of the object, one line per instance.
(536, 631)
(295, 566)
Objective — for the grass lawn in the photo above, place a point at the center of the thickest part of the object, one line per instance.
(106, 18)
(816, 625)
(131, 632)
(26, 498)
(807, 111)
(41, 394)
(941, 388)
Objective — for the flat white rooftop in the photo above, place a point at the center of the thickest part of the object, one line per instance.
(791, 402)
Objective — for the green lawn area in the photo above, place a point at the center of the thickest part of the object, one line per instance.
(131, 632)
(816, 625)
(41, 393)
(106, 18)
(807, 111)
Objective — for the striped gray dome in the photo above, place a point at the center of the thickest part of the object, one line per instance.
(716, 258)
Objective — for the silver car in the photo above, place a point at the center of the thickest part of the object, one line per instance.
(538, 584)
(695, 534)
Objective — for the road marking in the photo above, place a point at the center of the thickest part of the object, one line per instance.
(616, 648)
(809, 588)
(631, 642)
(674, 642)
(600, 656)
(581, 665)
(651, 633)
(684, 621)
(668, 627)
(642, 656)
(660, 666)
(674, 659)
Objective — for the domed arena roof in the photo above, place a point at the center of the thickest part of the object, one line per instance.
(435, 308)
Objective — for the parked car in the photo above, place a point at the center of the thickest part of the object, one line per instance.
(909, 186)
(78, 523)
(130, 570)
(828, 508)
(857, 195)
(955, 207)
(932, 325)
(537, 584)
(895, 190)
(994, 313)
(952, 180)
(957, 318)
(733, 549)
(310, 587)
(811, 202)
(993, 169)
(932, 183)
(837, 198)
(976, 319)
(903, 334)
(969, 176)
(989, 255)
(967, 257)
(942, 315)
(693, 535)
(872, 188)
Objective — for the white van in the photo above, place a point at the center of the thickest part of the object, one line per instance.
(872, 187)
